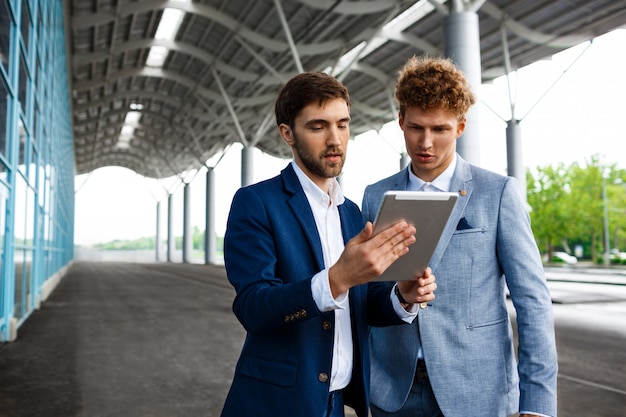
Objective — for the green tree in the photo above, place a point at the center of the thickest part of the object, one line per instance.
(567, 206)
(548, 197)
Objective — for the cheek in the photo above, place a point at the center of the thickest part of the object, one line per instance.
(411, 138)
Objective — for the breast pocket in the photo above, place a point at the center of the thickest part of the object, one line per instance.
(469, 231)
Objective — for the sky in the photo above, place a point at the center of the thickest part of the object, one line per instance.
(570, 109)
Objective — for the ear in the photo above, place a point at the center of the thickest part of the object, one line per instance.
(460, 127)
(401, 121)
(286, 133)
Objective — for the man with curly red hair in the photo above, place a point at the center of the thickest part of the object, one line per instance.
(458, 358)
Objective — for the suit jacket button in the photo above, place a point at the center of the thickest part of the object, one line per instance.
(322, 377)
(326, 325)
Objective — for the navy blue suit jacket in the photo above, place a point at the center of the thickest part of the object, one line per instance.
(272, 250)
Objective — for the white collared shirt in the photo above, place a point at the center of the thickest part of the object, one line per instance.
(441, 183)
(326, 213)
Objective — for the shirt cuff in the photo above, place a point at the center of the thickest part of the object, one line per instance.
(320, 288)
(407, 316)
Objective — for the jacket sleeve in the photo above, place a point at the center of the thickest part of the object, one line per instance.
(521, 262)
(268, 264)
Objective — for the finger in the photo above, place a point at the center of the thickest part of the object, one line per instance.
(400, 228)
(400, 241)
(427, 289)
(366, 232)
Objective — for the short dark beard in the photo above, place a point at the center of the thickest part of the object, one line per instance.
(315, 164)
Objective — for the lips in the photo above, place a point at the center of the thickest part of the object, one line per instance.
(424, 157)
(333, 157)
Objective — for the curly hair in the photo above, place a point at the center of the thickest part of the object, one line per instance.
(433, 83)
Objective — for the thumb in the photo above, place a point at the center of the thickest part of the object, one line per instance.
(366, 232)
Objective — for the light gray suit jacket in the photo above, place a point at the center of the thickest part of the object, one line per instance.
(465, 333)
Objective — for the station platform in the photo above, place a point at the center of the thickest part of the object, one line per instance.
(125, 340)
(121, 339)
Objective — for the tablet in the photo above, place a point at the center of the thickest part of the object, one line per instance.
(428, 212)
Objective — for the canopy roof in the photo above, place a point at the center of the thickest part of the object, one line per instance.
(228, 59)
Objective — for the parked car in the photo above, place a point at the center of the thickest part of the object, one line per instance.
(560, 257)
(618, 258)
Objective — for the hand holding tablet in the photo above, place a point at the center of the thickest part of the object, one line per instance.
(428, 212)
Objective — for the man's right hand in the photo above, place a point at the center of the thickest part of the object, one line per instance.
(366, 257)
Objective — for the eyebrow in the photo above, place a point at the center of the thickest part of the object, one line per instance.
(324, 121)
(440, 125)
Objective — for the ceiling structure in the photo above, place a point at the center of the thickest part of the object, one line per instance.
(228, 59)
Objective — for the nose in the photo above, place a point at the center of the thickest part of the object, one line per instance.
(334, 136)
(426, 139)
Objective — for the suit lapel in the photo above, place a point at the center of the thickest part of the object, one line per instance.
(301, 210)
(461, 183)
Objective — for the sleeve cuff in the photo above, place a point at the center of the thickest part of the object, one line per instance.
(320, 288)
(406, 316)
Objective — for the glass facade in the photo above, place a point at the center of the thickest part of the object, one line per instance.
(36, 157)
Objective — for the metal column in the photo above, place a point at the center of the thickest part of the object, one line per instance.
(247, 165)
(515, 167)
(462, 45)
(157, 239)
(171, 240)
(210, 246)
(187, 234)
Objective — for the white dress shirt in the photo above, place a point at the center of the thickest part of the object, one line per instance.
(441, 183)
(326, 213)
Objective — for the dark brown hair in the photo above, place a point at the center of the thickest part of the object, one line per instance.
(304, 89)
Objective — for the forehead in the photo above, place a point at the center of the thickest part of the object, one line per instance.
(330, 110)
(416, 114)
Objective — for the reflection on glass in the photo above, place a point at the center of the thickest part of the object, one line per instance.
(30, 217)
(25, 23)
(4, 195)
(20, 211)
(5, 31)
(23, 80)
(18, 305)
(4, 105)
(22, 154)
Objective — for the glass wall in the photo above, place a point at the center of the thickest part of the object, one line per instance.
(36, 157)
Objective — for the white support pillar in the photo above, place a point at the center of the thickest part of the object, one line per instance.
(210, 244)
(171, 240)
(515, 167)
(462, 45)
(247, 165)
(157, 238)
(187, 234)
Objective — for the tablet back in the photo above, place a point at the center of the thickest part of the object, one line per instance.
(428, 212)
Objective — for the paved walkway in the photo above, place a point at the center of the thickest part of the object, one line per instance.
(125, 340)
(129, 340)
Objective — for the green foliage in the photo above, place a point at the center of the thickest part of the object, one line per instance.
(143, 243)
(136, 244)
(567, 207)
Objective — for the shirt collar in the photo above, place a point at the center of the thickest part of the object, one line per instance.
(315, 193)
(442, 182)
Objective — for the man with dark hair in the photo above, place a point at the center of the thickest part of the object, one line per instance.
(300, 260)
(458, 358)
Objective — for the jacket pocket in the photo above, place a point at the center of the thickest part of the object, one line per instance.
(277, 373)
